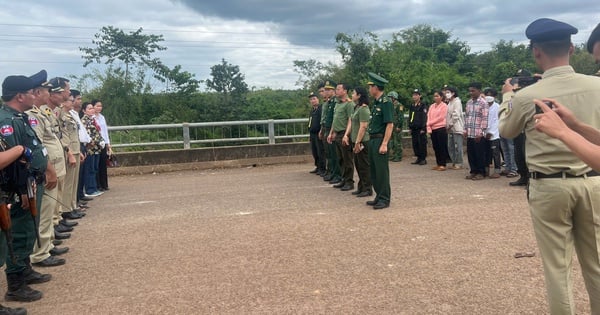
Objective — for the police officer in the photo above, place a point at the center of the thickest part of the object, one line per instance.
(563, 191)
(17, 93)
(380, 131)
(418, 127)
(396, 155)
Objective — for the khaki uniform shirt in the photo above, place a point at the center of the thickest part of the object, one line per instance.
(579, 93)
(69, 130)
(45, 125)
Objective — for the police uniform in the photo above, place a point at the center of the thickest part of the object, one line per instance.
(381, 117)
(396, 141)
(15, 129)
(564, 196)
(69, 129)
(316, 145)
(418, 129)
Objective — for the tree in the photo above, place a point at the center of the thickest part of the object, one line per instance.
(227, 79)
(133, 48)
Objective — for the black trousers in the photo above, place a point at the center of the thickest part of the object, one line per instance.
(361, 162)
(439, 141)
(476, 154)
(522, 168)
(102, 170)
(419, 144)
(346, 160)
(318, 151)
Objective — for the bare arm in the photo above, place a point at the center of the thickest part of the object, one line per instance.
(386, 138)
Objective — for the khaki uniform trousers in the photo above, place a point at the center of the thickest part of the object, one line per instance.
(46, 227)
(566, 217)
(58, 209)
(69, 196)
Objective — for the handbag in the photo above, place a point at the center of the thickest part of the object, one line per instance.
(112, 161)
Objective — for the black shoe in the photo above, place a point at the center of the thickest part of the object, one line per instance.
(61, 236)
(339, 185)
(62, 229)
(381, 205)
(347, 187)
(335, 181)
(372, 202)
(327, 177)
(522, 181)
(23, 294)
(314, 171)
(34, 277)
(50, 262)
(68, 223)
(79, 212)
(71, 216)
(56, 242)
(417, 161)
(365, 193)
(423, 162)
(83, 206)
(56, 251)
(12, 311)
(86, 198)
(357, 192)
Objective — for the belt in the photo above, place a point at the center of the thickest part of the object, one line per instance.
(376, 135)
(538, 175)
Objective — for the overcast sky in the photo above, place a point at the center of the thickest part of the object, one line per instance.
(262, 37)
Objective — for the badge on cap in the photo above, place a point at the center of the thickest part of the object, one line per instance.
(6, 130)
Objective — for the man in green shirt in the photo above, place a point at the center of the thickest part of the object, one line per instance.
(380, 131)
(339, 136)
(396, 155)
(334, 176)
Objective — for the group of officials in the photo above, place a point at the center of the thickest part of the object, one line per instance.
(39, 183)
(347, 133)
(560, 118)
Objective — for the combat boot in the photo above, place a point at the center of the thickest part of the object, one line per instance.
(12, 311)
(18, 290)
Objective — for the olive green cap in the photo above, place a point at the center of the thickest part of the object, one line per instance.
(375, 79)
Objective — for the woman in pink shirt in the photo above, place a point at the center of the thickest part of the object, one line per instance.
(436, 128)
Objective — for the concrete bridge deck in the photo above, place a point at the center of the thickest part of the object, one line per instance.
(278, 240)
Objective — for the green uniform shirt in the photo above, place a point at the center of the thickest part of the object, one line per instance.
(329, 112)
(341, 114)
(323, 112)
(381, 115)
(361, 114)
(579, 93)
(15, 129)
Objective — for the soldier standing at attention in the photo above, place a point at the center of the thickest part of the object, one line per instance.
(418, 128)
(340, 137)
(396, 155)
(314, 126)
(333, 163)
(563, 190)
(17, 94)
(380, 131)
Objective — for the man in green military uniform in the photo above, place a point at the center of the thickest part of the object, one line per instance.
(380, 131)
(563, 190)
(340, 137)
(396, 147)
(335, 175)
(17, 94)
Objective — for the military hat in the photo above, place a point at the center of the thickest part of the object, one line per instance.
(312, 94)
(594, 37)
(40, 79)
(417, 91)
(393, 94)
(57, 84)
(375, 79)
(543, 30)
(15, 84)
(329, 85)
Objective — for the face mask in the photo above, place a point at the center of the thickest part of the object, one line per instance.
(489, 99)
(448, 95)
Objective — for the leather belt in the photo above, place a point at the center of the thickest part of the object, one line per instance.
(538, 175)
(376, 135)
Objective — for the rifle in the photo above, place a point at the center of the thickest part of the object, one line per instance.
(5, 225)
(33, 207)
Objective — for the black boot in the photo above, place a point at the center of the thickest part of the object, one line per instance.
(12, 311)
(34, 277)
(18, 290)
(522, 181)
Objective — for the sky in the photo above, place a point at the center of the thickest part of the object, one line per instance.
(262, 37)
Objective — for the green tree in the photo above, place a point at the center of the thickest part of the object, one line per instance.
(228, 81)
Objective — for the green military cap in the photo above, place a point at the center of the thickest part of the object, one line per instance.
(329, 85)
(375, 79)
(312, 94)
(393, 94)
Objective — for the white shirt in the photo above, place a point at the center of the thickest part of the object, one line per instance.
(101, 121)
(493, 121)
(84, 137)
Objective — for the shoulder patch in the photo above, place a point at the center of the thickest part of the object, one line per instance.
(33, 122)
(6, 130)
